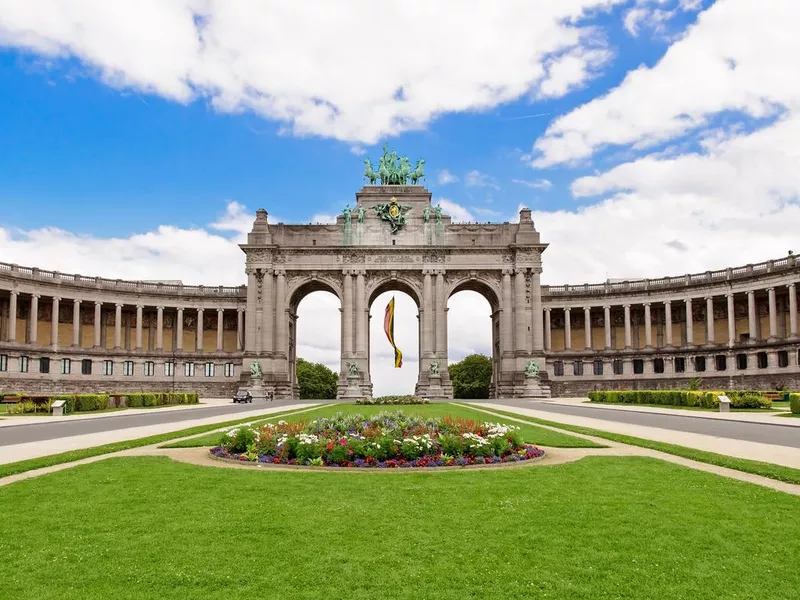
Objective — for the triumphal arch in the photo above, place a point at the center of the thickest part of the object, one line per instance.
(394, 238)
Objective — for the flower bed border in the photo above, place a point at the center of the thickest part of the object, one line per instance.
(406, 468)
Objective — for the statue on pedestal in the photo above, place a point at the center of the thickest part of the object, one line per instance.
(361, 212)
(347, 215)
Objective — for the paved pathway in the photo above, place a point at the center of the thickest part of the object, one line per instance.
(128, 431)
(778, 433)
(37, 429)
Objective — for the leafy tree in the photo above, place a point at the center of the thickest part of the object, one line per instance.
(317, 382)
(471, 377)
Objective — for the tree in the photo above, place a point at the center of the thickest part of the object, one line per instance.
(471, 377)
(317, 382)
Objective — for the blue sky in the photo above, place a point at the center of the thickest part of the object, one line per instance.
(101, 160)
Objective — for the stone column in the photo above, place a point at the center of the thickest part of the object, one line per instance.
(689, 323)
(668, 322)
(567, 330)
(76, 323)
(220, 330)
(33, 320)
(521, 313)
(139, 320)
(98, 321)
(159, 328)
(427, 333)
(506, 341)
(548, 332)
(441, 317)
(347, 314)
(536, 312)
(648, 327)
(587, 327)
(179, 330)
(731, 320)
(607, 325)
(792, 311)
(361, 315)
(268, 328)
(199, 341)
(628, 337)
(54, 323)
(281, 338)
(773, 316)
(752, 322)
(117, 326)
(12, 317)
(239, 328)
(710, 320)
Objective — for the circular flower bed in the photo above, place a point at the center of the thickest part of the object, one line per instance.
(401, 400)
(387, 440)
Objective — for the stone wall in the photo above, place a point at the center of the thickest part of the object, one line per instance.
(205, 389)
(578, 388)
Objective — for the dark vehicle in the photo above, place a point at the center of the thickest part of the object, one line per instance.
(243, 397)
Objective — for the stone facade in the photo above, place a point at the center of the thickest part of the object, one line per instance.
(733, 328)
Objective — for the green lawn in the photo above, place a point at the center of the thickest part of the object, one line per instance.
(769, 470)
(532, 433)
(603, 527)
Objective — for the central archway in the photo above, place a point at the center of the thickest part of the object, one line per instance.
(386, 379)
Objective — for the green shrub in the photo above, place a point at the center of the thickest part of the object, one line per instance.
(697, 398)
(794, 403)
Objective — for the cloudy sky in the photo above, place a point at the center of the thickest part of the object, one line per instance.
(649, 137)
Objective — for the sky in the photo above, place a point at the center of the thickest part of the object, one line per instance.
(649, 137)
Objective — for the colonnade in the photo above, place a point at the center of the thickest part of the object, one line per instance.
(753, 321)
(98, 307)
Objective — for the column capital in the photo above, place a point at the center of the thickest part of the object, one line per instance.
(14, 293)
(646, 304)
(667, 302)
(791, 286)
(159, 308)
(36, 296)
(98, 303)
(729, 294)
(626, 306)
(219, 310)
(200, 309)
(547, 309)
(56, 298)
(76, 301)
(587, 308)
(687, 300)
(180, 309)
(751, 292)
(140, 307)
(707, 298)
(606, 307)
(507, 271)
(567, 309)
(770, 289)
(239, 309)
(280, 272)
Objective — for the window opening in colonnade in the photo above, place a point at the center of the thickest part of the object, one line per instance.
(470, 325)
(315, 335)
(386, 378)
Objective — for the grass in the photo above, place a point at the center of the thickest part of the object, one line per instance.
(532, 433)
(73, 455)
(600, 528)
(769, 470)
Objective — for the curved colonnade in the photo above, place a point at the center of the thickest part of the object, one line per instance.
(736, 327)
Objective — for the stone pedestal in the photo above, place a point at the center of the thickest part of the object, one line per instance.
(435, 389)
(352, 391)
(256, 389)
(533, 388)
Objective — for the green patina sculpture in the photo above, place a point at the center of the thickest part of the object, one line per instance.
(437, 210)
(434, 368)
(352, 369)
(255, 370)
(531, 369)
(426, 214)
(347, 215)
(393, 170)
(393, 212)
(361, 212)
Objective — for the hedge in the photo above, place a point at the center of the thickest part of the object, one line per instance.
(703, 399)
(794, 403)
(95, 402)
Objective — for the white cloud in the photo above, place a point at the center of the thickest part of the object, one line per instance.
(538, 184)
(477, 179)
(304, 64)
(655, 14)
(456, 211)
(739, 57)
(358, 150)
(572, 69)
(323, 219)
(485, 212)
(446, 177)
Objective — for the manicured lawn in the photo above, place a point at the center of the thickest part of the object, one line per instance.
(532, 433)
(770, 470)
(604, 527)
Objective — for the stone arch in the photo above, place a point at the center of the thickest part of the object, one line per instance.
(300, 287)
(401, 283)
(490, 291)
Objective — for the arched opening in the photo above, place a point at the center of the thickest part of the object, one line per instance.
(385, 377)
(314, 329)
(473, 327)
